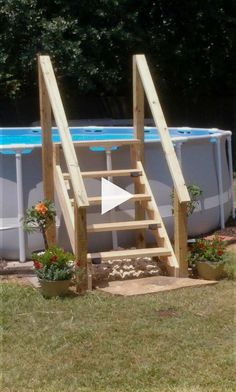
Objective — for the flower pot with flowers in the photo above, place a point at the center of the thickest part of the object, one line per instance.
(55, 269)
(208, 257)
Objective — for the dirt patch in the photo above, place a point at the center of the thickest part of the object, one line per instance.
(22, 280)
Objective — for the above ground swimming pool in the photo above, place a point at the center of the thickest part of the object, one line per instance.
(204, 154)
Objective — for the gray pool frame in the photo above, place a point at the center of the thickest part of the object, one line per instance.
(206, 160)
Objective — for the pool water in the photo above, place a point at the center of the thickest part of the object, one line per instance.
(32, 136)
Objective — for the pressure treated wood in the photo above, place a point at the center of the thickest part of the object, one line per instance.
(129, 253)
(137, 151)
(106, 173)
(162, 237)
(160, 123)
(81, 246)
(63, 128)
(105, 143)
(181, 235)
(133, 225)
(138, 110)
(96, 200)
(65, 204)
(47, 150)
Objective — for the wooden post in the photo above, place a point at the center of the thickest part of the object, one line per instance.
(181, 235)
(81, 246)
(137, 151)
(138, 110)
(47, 149)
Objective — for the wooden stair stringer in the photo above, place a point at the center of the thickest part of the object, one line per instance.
(65, 204)
(160, 234)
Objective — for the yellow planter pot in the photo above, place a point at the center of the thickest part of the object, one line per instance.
(210, 271)
(54, 288)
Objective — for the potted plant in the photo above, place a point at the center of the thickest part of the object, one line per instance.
(208, 257)
(55, 269)
(39, 217)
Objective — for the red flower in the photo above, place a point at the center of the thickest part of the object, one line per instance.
(220, 252)
(37, 265)
(53, 259)
(77, 263)
(201, 246)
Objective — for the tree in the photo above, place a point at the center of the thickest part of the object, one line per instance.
(191, 45)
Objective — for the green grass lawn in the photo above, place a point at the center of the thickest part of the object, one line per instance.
(173, 341)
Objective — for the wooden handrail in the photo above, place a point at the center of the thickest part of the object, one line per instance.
(63, 128)
(159, 119)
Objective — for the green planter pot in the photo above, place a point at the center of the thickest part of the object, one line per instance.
(210, 271)
(54, 288)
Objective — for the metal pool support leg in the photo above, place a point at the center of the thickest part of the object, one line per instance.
(229, 148)
(20, 206)
(220, 182)
(112, 213)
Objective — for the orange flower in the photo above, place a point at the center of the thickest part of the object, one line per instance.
(41, 208)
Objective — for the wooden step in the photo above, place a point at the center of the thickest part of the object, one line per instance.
(132, 225)
(100, 257)
(108, 173)
(104, 143)
(138, 197)
(95, 200)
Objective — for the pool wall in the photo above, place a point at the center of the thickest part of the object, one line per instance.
(199, 161)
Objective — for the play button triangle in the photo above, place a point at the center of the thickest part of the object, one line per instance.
(112, 196)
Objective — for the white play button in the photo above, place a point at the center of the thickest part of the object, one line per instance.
(112, 195)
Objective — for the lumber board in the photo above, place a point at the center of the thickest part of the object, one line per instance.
(137, 151)
(96, 200)
(63, 128)
(138, 110)
(132, 225)
(129, 253)
(159, 119)
(153, 213)
(81, 246)
(65, 204)
(104, 143)
(181, 235)
(47, 150)
(106, 173)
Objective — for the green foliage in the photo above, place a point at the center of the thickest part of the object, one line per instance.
(207, 250)
(194, 193)
(54, 264)
(230, 264)
(191, 45)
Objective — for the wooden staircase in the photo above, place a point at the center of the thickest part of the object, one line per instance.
(144, 202)
(146, 217)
